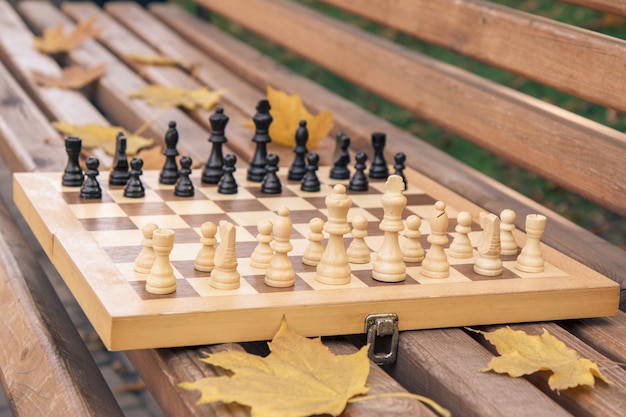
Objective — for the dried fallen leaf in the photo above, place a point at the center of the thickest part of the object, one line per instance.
(523, 354)
(95, 136)
(300, 377)
(160, 60)
(287, 111)
(54, 40)
(74, 77)
(160, 96)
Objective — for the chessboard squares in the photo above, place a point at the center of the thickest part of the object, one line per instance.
(194, 207)
(467, 269)
(74, 198)
(366, 277)
(325, 189)
(251, 218)
(168, 195)
(455, 276)
(371, 199)
(240, 206)
(302, 218)
(425, 211)
(311, 279)
(94, 211)
(181, 251)
(549, 270)
(127, 269)
(213, 194)
(107, 223)
(196, 220)
(118, 238)
(203, 287)
(293, 203)
(150, 197)
(147, 209)
(258, 283)
(184, 289)
(171, 221)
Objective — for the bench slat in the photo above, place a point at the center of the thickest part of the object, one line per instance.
(547, 140)
(549, 52)
(611, 6)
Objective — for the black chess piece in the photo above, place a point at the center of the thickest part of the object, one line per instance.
(169, 173)
(213, 168)
(134, 187)
(379, 168)
(184, 186)
(359, 179)
(91, 188)
(120, 173)
(271, 182)
(73, 173)
(310, 182)
(340, 170)
(399, 166)
(298, 167)
(227, 184)
(262, 120)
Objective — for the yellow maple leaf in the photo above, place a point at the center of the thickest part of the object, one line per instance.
(523, 354)
(160, 60)
(74, 77)
(287, 111)
(54, 40)
(161, 96)
(94, 136)
(300, 377)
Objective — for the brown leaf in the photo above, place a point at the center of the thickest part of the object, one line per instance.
(74, 77)
(55, 41)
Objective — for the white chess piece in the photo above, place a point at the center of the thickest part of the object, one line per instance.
(161, 279)
(412, 247)
(488, 262)
(389, 265)
(225, 275)
(461, 246)
(314, 249)
(435, 263)
(280, 271)
(204, 260)
(531, 257)
(145, 259)
(507, 240)
(263, 252)
(358, 252)
(334, 267)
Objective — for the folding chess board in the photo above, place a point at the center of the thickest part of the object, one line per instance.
(93, 245)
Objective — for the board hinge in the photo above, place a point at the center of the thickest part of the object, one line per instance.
(382, 330)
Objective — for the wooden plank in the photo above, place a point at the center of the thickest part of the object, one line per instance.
(541, 49)
(602, 400)
(606, 335)
(445, 366)
(569, 150)
(111, 94)
(617, 7)
(561, 234)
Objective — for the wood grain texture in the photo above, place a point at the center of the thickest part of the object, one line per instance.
(602, 400)
(359, 124)
(538, 48)
(617, 7)
(606, 335)
(571, 151)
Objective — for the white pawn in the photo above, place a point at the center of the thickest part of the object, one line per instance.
(461, 246)
(263, 252)
(280, 271)
(412, 247)
(488, 262)
(435, 263)
(507, 225)
(314, 249)
(205, 259)
(161, 279)
(531, 257)
(358, 252)
(145, 259)
(225, 275)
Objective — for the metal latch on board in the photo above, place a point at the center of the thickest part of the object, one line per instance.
(382, 330)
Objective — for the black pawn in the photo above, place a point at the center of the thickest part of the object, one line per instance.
(134, 187)
(120, 173)
(213, 168)
(399, 166)
(169, 173)
(91, 189)
(310, 182)
(271, 183)
(184, 186)
(73, 174)
(262, 120)
(359, 179)
(340, 170)
(298, 167)
(227, 184)
(379, 168)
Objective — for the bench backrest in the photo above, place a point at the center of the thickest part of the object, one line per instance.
(573, 151)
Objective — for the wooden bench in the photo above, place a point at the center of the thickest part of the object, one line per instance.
(570, 150)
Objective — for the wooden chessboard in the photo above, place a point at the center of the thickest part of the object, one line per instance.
(93, 245)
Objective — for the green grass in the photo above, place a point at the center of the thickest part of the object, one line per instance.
(588, 215)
